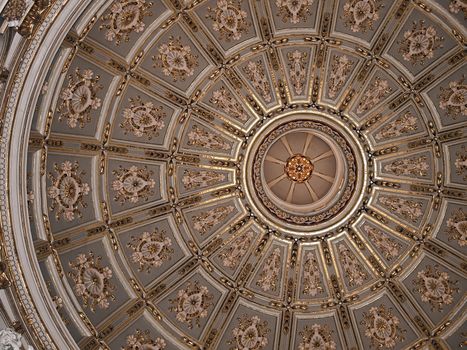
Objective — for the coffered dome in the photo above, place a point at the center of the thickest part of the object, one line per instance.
(237, 174)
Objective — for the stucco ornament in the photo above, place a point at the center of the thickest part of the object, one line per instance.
(227, 103)
(419, 43)
(457, 227)
(197, 179)
(141, 340)
(192, 303)
(10, 340)
(229, 19)
(312, 284)
(255, 71)
(435, 287)
(79, 98)
(67, 191)
(269, 276)
(143, 118)
(382, 327)
(317, 337)
(297, 70)
(125, 17)
(201, 137)
(133, 184)
(401, 126)
(360, 15)
(455, 6)
(373, 95)
(92, 281)
(176, 60)
(250, 334)
(206, 220)
(453, 99)
(408, 209)
(294, 11)
(150, 249)
(340, 69)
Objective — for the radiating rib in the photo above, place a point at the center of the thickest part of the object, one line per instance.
(291, 190)
(322, 156)
(286, 145)
(313, 194)
(275, 160)
(276, 180)
(307, 143)
(324, 177)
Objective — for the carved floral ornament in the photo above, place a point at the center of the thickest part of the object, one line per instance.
(141, 340)
(457, 227)
(360, 15)
(228, 19)
(456, 6)
(382, 327)
(339, 72)
(294, 11)
(453, 99)
(250, 333)
(419, 43)
(269, 274)
(67, 191)
(312, 284)
(316, 337)
(297, 70)
(227, 103)
(191, 304)
(133, 184)
(201, 137)
(197, 179)
(151, 249)
(124, 17)
(403, 125)
(176, 59)
(143, 118)
(92, 281)
(232, 255)
(435, 287)
(79, 98)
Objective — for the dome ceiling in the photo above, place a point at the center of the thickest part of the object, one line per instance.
(232, 174)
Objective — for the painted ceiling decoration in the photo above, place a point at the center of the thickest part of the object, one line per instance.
(235, 174)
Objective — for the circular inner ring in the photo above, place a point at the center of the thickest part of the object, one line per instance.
(304, 173)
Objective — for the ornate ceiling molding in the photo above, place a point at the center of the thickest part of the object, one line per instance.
(163, 165)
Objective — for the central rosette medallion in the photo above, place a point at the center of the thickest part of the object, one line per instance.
(299, 168)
